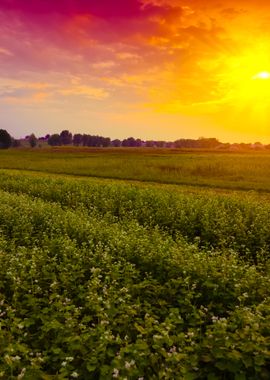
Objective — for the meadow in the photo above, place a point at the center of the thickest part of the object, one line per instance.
(145, 273)
(244, 171)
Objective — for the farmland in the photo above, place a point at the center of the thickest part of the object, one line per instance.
(134, 265)
(244, 171)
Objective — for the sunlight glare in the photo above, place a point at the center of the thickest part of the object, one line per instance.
(262, 75)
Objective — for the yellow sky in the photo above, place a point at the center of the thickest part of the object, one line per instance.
(153, 69)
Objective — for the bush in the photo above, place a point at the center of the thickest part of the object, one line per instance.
(5, 139)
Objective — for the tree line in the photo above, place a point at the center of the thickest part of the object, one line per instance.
(66, 138)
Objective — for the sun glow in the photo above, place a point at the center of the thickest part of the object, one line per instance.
(262, 75)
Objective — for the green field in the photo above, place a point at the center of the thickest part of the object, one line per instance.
(248, 171)
(158, 270)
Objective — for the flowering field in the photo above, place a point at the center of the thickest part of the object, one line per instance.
(104, 280)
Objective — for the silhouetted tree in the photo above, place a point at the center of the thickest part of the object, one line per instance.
(186, 143)
(32, 140)
(150, 143)
(85, 140)
(16, 143)
(77, 139)
(169, 144)
(139, 142)
(160, 144)
(129, 142)
(106, 141)
(66, 137)
(5, 139)
(54, 140)
(116, 143)
(208, 143)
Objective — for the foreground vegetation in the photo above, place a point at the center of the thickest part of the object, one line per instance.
(103, 280)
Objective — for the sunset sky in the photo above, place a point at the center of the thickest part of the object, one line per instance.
(154, 69)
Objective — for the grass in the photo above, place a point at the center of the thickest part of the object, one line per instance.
(245, 171)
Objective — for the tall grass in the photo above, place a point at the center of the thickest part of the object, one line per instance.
(232, 171)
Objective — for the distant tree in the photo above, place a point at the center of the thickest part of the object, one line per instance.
(116, 143)
(66, 137)
(16, 143)
(150, 143)
(257, 145)
(208, 143)
(186, 143)
(160, 144)
(77, 139)
(54, 140)
(85, 139)
(169, 144)
(92, 140)
(139, 142)
(106, 141)
(33, 140)
(131, 142)
(5, 139)
(95, 141)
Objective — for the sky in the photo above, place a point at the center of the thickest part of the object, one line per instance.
(152, 69)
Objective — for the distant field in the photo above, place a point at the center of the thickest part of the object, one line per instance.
(247, 171)
(164, 276)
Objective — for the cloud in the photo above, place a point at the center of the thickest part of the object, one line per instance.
(6, 52)
(161, 51)
(104, 8)
(85, 91)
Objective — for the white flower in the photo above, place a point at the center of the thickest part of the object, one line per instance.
(115, 372)
(21, 375)
(129, 364)
(74, 375)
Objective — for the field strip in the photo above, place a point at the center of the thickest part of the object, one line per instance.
(216, 222)
(101, 275)
(184, 187)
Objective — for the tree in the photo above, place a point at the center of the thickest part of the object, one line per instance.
(138, 142)
(66, 137)
(208, 143)
(5, 139)
(54, 140)
(116, 143)
(77, 139)
(130, 141)
(16, 143)
(85, 139)
(106, 141)
(32, 140)
(150, 143)
(160, 144)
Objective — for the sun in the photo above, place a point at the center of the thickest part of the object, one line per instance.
(262, 75)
